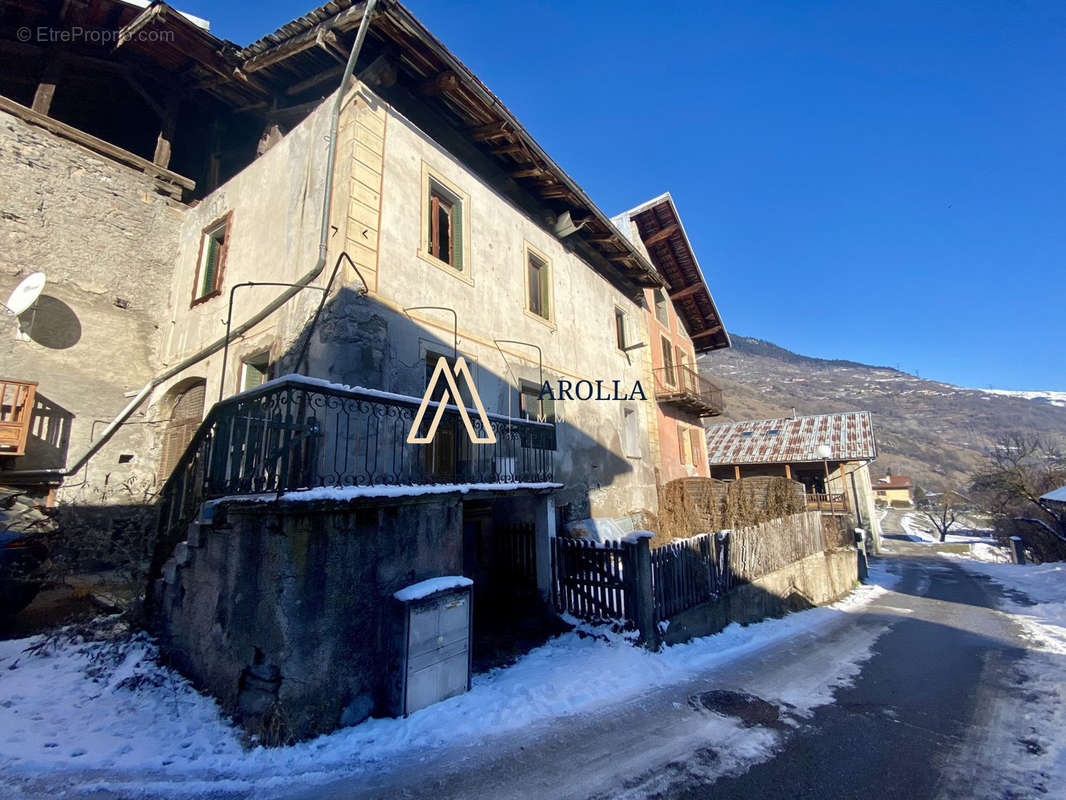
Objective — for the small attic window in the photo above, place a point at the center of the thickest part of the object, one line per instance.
(747, 433)
(773, 432)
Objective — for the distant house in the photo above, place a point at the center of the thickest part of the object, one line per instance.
(894, 488)
(1056, 498)
(828, 453)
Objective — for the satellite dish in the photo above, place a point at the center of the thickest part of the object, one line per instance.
(823, 451)
(25, 294)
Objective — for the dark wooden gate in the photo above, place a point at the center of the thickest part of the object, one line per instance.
(593, 581)
(516, 552)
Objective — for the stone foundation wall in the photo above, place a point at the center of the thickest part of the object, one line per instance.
(286, 614)
(816, 580)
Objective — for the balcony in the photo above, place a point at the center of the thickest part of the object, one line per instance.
(297, 433)
(683, 387)
(832, 502)
(16, 408)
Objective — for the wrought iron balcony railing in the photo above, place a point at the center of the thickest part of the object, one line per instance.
(294, 433)
(684, 387)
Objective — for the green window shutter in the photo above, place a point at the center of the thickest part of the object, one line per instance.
(210, 266)
(457, 235)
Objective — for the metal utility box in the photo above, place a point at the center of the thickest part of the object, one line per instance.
(435, 647)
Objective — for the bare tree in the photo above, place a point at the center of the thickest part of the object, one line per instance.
(1019, 469)
(942, 511)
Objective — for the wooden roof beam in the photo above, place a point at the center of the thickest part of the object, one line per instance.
(442, 83)
(687, 291)
(493, 130)
(661, 235)
(708, 332)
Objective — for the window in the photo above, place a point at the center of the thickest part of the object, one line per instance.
(630, 433)
(533, 406)
(538, 284)
(682, 375)
(668, 361)
(214, 243)
(696, 435)
(686, 445)
(255, 371)
(620, 328)
(445, 225)
(661, 313)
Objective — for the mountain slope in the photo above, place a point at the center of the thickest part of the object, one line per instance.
(936, 432)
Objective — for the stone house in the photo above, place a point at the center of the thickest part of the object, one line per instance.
(269, 277)
(829, 454)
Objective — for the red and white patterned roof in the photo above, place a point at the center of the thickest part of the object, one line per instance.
(850, 437)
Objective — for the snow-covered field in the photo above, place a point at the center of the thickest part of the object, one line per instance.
(920, 529)
(105, 709)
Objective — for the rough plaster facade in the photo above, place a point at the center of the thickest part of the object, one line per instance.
(106, 241)
(368, 339)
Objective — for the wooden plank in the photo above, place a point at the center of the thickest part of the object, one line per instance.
(92, 143)
(708, 332)
(345, 20)
(687, 291)
(661, 235)
(491, 131)
(445, 82)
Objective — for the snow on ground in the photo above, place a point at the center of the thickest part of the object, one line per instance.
(71, 707)
(918, 527)
(1023, 738)
(1052, 398)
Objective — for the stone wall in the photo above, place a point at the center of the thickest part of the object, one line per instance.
(816, 580)
(285, 614)
(106, 241)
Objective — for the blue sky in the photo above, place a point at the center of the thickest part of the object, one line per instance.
(882, 182)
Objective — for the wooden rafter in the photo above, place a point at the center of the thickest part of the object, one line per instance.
(661, 235)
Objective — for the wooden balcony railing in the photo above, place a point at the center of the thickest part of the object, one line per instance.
(683, 386)
(16, 408)
(821, 501)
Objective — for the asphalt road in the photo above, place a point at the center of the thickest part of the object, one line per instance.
(936, 671)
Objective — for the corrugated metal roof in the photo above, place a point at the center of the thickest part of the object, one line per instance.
(850, 437)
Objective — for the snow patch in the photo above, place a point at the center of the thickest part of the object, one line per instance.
(423, 589)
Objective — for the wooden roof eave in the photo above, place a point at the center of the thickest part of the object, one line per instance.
(619, 255)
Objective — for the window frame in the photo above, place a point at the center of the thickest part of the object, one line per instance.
(664, 320)
(667, 354)
(225, 223)
(621, 329)
(545, 405)
(529, 253)
(427, 221)
(250, 360)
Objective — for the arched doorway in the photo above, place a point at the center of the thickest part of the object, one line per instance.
(186, 401)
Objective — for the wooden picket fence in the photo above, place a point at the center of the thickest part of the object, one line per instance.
(594, 581)
(689, 572)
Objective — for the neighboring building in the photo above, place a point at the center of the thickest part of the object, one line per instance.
(894, 489)
(1055, 498)
(680, 322)
(828, 453)
(450, 234)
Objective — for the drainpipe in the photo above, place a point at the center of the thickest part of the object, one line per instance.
(259, 316)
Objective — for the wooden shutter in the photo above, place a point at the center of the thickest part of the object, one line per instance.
(186, 417)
